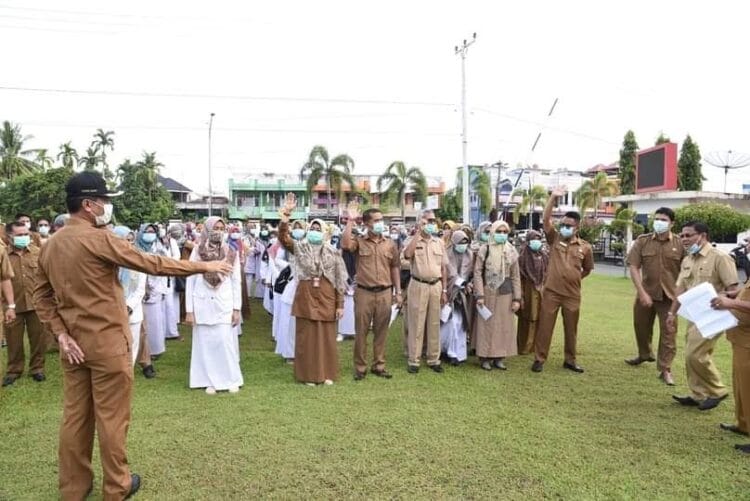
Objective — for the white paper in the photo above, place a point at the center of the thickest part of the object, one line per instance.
(484, 311)
(394, 313)
(459, 282)
(445, 313)
(695, 306)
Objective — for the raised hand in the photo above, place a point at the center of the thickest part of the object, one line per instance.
(290, 203)
(352, 210)
(559, 191)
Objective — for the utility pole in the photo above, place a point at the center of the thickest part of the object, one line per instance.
(210, 181)
(462, 50)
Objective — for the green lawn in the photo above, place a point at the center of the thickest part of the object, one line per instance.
(612, 432)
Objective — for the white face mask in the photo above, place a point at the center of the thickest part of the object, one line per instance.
(105, 218)
(162, 233)
(272, 240)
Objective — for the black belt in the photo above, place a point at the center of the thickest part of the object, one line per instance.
(377, 288)
(428, 282)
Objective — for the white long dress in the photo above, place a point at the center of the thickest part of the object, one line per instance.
(283, 322)
(346, 324)
(153, 311)
(215, 356)
(134, 292)
(172, 299)
(453, 336)
(266, 274)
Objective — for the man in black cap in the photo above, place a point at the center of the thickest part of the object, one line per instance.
(82, 303)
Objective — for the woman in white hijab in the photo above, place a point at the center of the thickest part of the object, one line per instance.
(212, 304)
(497, 286)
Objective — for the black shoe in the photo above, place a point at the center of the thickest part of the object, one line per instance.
(38, 377)
(455, 362)
(686, 401)
(384, 374)
(135, 484)
(437, 368)
(711, 402)
(733, 428)
(499, 364)
(155, 357)
(149, 372)
(412, 369)
(743, 448)
(9, 380)
(88, 492)
(573, 367)
(3, 343)
(638, 360)
(359, 376)
(537, 366)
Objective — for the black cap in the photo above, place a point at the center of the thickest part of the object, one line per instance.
(88, 184)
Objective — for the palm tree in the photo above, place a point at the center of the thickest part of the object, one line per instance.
(398, 180)
(14, 160)
(530, 199)
(42, 160)
(91, 159)
(102, 141)
(480, 184)
(592, 191)
(147, 170)
(334, 172)
(68, 156)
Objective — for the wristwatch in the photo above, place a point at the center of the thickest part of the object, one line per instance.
(12, 306)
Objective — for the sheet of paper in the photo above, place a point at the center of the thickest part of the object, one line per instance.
(395, 310)
(459, 282)
(445, 313)
(484, 312)
(695, 306)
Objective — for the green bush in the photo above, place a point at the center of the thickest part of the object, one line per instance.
(723, 221)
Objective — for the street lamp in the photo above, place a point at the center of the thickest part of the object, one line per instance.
(210, 184)
(462, 50)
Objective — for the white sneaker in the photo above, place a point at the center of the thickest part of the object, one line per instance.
(339, 338)
(328, 382)
(234, 389)
(210, 390)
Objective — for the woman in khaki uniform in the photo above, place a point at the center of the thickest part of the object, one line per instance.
(318, 301)
(497, 285)
(533, 263)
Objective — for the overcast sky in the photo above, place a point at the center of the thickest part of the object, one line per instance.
(376, 80)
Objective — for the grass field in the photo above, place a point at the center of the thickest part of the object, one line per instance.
(611, 433)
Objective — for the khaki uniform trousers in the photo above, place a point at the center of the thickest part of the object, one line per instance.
(551, 303)
(741, 385)
(424, 321)
(143, 358)
(643, 324)
(96, 396)
(27, 321)
(703, 377)
(371, 308)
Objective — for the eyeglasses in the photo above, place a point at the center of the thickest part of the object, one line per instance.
(687, 235)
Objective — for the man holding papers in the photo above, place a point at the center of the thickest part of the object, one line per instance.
(740, 339)
(703, 263)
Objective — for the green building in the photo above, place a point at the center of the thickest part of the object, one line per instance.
(260, 197)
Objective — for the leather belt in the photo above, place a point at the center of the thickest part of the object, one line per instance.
(428, 282)
(377, 288)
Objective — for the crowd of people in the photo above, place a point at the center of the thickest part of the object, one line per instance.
(119, 297)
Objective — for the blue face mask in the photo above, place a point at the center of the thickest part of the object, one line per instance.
(501, 238)
(430, 228)
(535, 245)
(22, 241)
(484, 237)
(315, 237)
(694, 249)
(298, 233)
(460, 248)
(566, 231)
(378, 228)
(149, 238)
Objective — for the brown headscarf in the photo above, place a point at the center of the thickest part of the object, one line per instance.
(533, 265)
(208, 251)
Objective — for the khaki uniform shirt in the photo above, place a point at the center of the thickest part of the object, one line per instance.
(77, 290)
(659, 262)
(708, 265)
(6, 270)
(740, 335)
(567, 262)
(25, 263)
(429, 258)
(376, 256)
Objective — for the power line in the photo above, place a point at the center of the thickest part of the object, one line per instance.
(112, 14)
(220, 96)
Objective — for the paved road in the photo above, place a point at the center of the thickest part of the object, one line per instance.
(613, 270)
